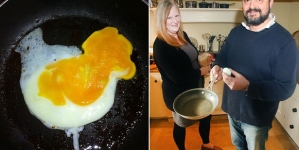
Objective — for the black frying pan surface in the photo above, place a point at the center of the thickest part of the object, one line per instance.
(70, 22)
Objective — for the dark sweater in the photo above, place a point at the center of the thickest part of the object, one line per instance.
(176, 70)
(269, 60)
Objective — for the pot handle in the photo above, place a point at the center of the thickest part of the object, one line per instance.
(211, 83)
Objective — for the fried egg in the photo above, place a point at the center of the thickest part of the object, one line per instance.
(66, 87)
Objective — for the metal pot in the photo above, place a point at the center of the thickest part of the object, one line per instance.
(195, 103)
(190, 4)
(125, 126)
(204, 4)
(215, 5)
(224, 5)
(179, 3)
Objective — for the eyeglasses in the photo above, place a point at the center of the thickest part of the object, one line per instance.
(249, 1)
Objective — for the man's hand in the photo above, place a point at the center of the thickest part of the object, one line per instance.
(236, 81)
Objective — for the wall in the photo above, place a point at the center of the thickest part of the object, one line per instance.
(294, 18)
(152, 32)
(283, 11)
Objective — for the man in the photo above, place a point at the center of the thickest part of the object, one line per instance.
(263, 59)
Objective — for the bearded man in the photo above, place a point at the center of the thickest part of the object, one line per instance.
(263, 59)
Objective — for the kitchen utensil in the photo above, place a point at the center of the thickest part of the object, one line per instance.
(212, 81)
(179, 3)
(193, 41)
(69, 22)
(224, 5)
(201, 48)
(220, 40)
(196, 103)
(203, 4)
(206, 37)
(215, 5)
(211, 39)
(190, 4)
(210, 43)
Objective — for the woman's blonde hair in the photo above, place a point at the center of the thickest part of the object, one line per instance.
(161, 15)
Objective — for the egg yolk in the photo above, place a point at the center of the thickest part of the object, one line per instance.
(82, 79)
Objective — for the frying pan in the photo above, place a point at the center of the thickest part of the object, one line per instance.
(196, 103)
(70, 22)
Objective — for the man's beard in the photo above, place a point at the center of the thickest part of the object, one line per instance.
(257, 21)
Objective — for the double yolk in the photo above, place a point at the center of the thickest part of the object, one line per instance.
(83, 79)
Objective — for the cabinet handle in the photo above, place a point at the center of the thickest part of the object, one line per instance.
(294, 109)
(292, 126)
(155, 81)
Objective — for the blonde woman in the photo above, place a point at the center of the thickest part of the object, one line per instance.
(177, 61)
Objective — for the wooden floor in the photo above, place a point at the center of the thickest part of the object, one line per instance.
(161, 135)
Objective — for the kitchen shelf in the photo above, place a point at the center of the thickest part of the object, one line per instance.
(221, 15)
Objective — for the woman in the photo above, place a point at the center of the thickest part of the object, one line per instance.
(177, 61)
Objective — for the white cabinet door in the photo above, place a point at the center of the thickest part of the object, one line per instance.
(291, 125)
(280, 113)
(158, 108)
(288, 115)
(296, 93)
(292, 108)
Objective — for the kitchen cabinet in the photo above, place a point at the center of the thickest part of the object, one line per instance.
(158, 108)
(288, 115)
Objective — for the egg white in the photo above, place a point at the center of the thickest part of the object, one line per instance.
(36, 54)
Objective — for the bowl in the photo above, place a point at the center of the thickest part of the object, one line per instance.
(195, 103)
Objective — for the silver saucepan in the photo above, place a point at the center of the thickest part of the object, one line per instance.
(191, 4)
(215, 5)
(196, 103)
